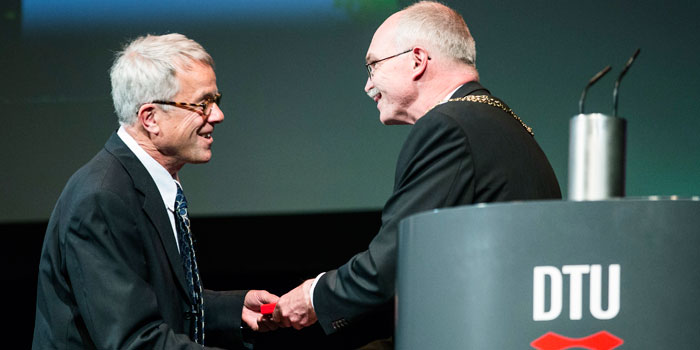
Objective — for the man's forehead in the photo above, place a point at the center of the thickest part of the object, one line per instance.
(383, 39)
(379, 50)
(197, 81)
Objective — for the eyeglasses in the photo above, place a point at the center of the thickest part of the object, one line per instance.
(206, 106)
(370, 66)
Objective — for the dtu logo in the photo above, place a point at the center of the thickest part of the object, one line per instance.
(576, 273)
(602, 340)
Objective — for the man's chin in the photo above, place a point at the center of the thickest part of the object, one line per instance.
(201, 159)
(394, 118)
(386, 120)
(392, 121)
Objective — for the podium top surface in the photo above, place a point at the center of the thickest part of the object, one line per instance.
(572, 205)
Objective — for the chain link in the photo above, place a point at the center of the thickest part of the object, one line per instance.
(485, 99)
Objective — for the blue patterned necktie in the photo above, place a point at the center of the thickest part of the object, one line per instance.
(189, 263)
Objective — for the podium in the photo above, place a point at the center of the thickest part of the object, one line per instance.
(551, 275)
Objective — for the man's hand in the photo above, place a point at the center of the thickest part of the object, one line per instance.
(251, 311)
(294, 308)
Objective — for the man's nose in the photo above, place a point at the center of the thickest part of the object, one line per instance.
(216, 115)
(369, 85)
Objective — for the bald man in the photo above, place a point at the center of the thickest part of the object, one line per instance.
(465, 147)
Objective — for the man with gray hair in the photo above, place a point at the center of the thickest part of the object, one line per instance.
(118, 267)
(465, 147)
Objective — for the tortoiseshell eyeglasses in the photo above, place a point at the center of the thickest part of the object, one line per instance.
(206, 106)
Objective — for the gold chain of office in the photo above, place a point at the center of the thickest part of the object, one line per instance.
(485, 99)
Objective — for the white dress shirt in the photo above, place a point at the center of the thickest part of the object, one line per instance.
(167, 186)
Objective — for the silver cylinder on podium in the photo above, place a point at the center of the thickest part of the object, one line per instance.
(596, 157)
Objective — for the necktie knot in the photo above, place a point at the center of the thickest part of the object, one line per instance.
(180, 202)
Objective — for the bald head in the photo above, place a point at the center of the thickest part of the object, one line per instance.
(437, 27)
(417, 57)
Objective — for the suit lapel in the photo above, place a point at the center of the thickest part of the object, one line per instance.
(153, 205)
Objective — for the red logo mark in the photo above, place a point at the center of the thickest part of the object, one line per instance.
(598, 341)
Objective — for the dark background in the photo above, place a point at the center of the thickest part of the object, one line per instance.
(301, 160)
(272, 252)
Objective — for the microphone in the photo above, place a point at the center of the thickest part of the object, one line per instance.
(597, 148)
(591, 82)
(619, 78)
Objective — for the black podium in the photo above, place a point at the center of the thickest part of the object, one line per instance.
(551, 275)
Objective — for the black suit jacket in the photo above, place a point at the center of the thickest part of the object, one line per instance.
(458, 153)
(110, 275)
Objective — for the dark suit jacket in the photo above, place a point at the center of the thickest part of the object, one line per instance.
(110, 275)
(458, 153)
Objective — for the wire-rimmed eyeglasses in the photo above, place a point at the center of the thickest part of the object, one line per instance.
(370, 66)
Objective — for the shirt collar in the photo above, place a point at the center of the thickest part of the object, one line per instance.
(165, 183)
(450, 94)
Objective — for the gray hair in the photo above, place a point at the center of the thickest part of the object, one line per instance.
(438, 26)
(145, 71)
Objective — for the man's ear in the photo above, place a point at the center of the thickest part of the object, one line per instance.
(420, 59)
(147, 118)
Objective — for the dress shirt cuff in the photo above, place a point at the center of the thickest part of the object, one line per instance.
(313, 286)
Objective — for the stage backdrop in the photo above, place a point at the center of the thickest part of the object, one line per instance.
(300, 134)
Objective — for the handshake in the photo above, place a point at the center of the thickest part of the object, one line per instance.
(263, 311)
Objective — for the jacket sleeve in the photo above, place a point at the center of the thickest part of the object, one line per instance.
(223, 317)
(433, 170)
